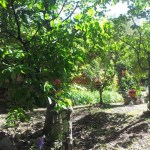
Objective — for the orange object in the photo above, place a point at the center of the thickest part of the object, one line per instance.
(123, 72)
(132, 93)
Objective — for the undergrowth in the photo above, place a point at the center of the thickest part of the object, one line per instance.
(81, 95)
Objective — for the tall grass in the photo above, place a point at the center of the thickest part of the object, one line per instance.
(81, 95)
(112, 97)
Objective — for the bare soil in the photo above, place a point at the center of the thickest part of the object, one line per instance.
(114, 127)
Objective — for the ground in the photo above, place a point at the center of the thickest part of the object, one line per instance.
(116, 127)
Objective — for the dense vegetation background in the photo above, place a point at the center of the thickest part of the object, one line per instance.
(44, 44)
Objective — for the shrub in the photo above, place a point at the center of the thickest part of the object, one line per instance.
(112, 97)
(81, 95)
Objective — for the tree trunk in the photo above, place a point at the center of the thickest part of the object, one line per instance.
(58, 126)
(100, 94)
(67, 129)
(52, 127)
(48, 119)
(149, 82)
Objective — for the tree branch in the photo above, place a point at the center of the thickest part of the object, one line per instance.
(71, 13)
(16, 20)
(61, 9)
(49, 20)
(140, 40)
(136, 50)
(138, 30)
(18, 27)
(9, 33)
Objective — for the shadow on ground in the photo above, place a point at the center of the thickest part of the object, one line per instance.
(108, 106)
(102, 128)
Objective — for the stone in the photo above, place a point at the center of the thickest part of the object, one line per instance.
(138, 101)
(127, 100)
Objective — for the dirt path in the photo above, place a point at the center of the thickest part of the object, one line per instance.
(118, 127)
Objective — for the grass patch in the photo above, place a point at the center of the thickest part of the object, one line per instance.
(81, 96)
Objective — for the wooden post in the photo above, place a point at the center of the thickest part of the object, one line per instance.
(67, 129)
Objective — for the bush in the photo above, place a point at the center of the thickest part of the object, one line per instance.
(112, 97)
(81, 95)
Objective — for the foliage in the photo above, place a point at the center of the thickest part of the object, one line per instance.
(81, 95)
(100, 70)
(114, 85)
(132, 31)
(56, 95)
(112, 97)
(42, 43)
(15, 115)
(49, 41)
(97, 68)
(39, 47)
(128, 82)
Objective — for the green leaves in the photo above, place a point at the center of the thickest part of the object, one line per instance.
(63, 104)
(48, 40)
(47, 16)
(91, 12)
(3, 3)
(47, 87)
(78, 17)
(15, 115)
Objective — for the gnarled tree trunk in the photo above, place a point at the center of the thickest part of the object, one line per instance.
(58, 126)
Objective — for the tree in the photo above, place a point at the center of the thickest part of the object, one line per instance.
(101, 72)
(40, 42)
(130, 32)
(36, 48)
